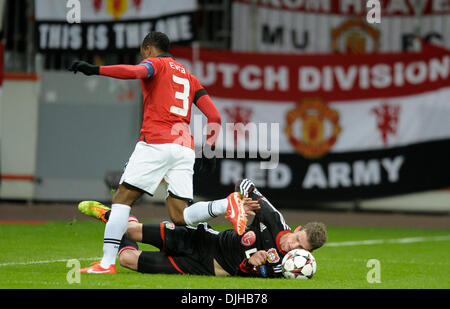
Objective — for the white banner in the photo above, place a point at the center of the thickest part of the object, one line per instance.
(322, 26)
(112, 10)
(361, 125)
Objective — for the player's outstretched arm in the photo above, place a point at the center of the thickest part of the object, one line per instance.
(121, 71)
(125, 71)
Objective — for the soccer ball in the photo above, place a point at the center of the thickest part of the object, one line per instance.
(299, 264)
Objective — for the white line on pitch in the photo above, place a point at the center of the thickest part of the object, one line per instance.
(332, 244)
(49, 261)
(388, 241)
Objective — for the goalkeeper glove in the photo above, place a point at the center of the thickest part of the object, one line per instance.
(84, 67)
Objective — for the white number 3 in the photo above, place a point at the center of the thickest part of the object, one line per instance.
(184, 96)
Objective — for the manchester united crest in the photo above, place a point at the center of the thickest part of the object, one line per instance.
(355, 36)
(312, 128)
(116, 8)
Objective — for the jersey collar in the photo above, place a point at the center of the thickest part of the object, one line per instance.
(164, 55)
(277, 240)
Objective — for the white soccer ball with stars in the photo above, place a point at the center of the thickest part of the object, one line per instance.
(299, 264)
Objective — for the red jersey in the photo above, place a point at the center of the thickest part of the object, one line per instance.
(168, 97)
(169, 91)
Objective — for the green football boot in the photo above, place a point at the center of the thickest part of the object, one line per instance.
(94, 209)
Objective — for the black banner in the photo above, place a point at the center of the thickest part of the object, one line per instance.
(111, 36)
(337, 176)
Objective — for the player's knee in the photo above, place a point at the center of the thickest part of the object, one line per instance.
(129, 259)
(126, 195)
(134, 231)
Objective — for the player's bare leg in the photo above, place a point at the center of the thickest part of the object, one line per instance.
(134, 231)
(126, 195)
(129, 259)
(176, 208)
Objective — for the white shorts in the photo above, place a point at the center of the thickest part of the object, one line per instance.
(149, 164)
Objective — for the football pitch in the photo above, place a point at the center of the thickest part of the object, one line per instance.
(40, 257)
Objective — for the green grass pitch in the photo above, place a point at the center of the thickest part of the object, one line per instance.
(35, 256)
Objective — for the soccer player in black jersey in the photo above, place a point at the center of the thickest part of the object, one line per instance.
(202, 250)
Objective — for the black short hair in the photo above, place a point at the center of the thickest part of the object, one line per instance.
(158, 40)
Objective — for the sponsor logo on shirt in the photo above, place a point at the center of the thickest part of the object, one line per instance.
(170, 225)
(262, 227)
(248, 239)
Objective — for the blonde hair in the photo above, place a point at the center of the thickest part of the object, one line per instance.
(316, 234)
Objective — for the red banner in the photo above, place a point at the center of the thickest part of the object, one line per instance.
(332, 77)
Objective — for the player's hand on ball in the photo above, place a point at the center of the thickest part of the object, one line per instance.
(258, 258)
(250, 206)
(84, 67)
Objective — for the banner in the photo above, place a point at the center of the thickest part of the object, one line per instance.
(323, 26)
(110, 25)
(333, 127)
(2, 9)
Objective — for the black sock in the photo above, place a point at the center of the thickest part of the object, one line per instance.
(109, 212)
(127, 242)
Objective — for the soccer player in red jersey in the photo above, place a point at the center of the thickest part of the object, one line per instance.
(166, 148)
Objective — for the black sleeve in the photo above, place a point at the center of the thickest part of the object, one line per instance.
(265, 271)
(246, 269)
(271, 217)
(198, 94)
